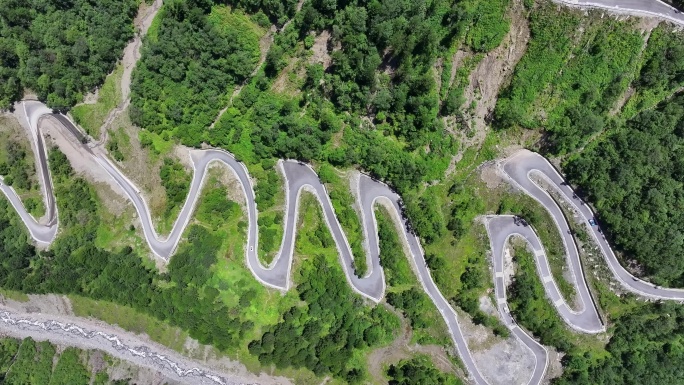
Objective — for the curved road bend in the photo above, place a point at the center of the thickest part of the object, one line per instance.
(43, 234)
(500, 229)
(499, 233)
(521, 166)
(647, 8)
(298, 177)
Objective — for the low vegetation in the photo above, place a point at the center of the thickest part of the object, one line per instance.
(176, 181)
(418, 371)
(324, 332)
(92, 116)
(343, 202)
(29, 362)
(530, 306)
(17, 167)
(571, 76)
(404, 292)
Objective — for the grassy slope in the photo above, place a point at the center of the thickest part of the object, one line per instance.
(343, 201)
(467, 250)
(92, 116)
(12, 134)
(427, 323)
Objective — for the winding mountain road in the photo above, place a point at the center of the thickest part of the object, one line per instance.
(300, 177)
(648, 8)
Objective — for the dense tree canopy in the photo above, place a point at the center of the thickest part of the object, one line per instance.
(634, 177)
(322, 337)
(645, 349)
(188, 63)
(60, 49)
(419, 371)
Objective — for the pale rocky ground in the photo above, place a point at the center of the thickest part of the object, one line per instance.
(501, 361)
(490, 75)
(402, 348)
(50, 317)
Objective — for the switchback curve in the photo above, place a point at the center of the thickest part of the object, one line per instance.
(300, 177)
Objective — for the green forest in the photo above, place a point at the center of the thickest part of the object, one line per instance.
(634, 176)
(622, 154)
(60, 50)
(194, 55)
(645, 348)
(418, 371)
(381, 86)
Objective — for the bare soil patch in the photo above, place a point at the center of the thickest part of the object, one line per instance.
(91, 97)
(456, 61)
(84, 163)
(320, 50)
(283, 83)
(141, 167)
(401, 349)
(230, 181)
(42, 303)
(489, 173)
(142, 22)
(501, 361)
(492, 72)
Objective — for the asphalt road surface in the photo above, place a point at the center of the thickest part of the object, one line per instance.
(525, 163)
(300, 177)
(41, 233)
(651, 8)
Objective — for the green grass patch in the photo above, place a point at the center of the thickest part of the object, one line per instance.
(270, 200)
(118, 144)
(153, 31)
(14, 295)
(131, 320)
(403, 289)
(224, 19)
(454, 97)
(92, 116)
(176, 182)
(160, 144)
(546, 229)
(531, 308)
(17, 165)
(343, 202)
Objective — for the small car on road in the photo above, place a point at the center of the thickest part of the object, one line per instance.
(592, 222)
